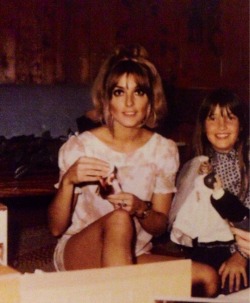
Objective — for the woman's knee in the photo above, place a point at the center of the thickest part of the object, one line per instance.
(119, 221)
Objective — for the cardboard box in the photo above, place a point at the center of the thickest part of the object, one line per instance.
(9, 285)
(3, 234)
(127, 284)
(242, 296)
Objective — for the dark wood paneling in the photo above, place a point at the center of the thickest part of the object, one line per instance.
(194, 43)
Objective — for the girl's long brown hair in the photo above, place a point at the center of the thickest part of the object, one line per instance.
(231, 102)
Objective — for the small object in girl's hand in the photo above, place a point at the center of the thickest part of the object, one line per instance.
(109, 185)
(209, 180)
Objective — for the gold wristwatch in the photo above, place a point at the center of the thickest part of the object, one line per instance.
(146, 212)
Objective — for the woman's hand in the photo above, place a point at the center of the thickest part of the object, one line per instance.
(86, 169)
(127, 201)
(234, 269)
(243, 240)
(155, 222)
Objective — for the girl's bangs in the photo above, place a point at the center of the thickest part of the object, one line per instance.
(227, 101)
(223, 109)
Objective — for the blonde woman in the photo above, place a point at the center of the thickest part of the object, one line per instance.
(116, 229)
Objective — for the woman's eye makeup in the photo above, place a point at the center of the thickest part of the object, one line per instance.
(118, 92)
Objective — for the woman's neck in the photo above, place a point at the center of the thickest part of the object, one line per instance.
(125, 140)
(127, 135)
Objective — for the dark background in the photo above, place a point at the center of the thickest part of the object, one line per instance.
(197, 45)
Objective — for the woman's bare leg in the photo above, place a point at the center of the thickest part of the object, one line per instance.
(151, 258)
(205, 280)
(106, 242)
(118, 240)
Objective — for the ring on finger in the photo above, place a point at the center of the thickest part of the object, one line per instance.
(124, 204)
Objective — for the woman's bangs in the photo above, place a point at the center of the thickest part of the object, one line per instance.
(142, 81)
(129, 68)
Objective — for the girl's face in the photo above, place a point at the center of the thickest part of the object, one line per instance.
(129, 103)
(222, 129)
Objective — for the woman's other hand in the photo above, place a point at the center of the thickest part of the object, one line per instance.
(152, 217)
(126, 201)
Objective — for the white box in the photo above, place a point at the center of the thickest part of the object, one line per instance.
(3, 234)
(126, 284)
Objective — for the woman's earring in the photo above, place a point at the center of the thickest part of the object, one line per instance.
(148, 111)
(110, 121)
(148, 114)
(108, 118)
(145, 119)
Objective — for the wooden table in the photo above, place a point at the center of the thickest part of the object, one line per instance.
(39, 183)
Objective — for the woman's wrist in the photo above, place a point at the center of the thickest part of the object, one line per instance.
(65, 182)
(145, 212)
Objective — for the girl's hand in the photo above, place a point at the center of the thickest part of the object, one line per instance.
(126, 201)
(217, 184)
(234, 269)
(243, 239)
(86, 169)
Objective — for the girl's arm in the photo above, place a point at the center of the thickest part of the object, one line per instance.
(60, 209)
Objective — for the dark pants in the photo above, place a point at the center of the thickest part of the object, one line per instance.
(213, 254)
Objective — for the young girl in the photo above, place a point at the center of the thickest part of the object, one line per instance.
(113, 229)
(203, 223)
(221, 135)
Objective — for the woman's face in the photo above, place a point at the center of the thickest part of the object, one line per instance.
(129, 104)
(222, 129)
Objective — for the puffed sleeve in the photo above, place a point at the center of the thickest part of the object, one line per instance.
(167, 166)
(69, 152)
